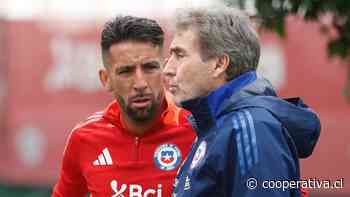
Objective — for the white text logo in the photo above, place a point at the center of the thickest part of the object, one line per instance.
(135, 190)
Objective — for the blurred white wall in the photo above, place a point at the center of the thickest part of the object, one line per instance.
(91, 9)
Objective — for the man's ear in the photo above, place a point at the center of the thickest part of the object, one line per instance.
(222, 64)
(104, 79)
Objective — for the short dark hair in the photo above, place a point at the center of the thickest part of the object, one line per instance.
(123, 28)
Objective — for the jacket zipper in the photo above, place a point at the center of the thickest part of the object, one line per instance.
(137, 145)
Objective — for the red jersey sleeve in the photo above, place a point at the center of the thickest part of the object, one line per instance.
(71, 181)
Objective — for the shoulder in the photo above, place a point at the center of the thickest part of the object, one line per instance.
(249, 118)
(250, 127)
(94, 123)
(250, 133)
(91, 130)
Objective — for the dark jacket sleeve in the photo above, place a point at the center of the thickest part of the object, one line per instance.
(260, 156)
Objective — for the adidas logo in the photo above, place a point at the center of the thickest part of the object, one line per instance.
(103, 159)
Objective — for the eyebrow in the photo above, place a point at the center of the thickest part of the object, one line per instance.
(129, 66)
(177, 50)
(153, 62)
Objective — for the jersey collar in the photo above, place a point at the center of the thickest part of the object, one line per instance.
(170, 116)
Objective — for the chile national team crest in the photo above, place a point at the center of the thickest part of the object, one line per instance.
(167, 156)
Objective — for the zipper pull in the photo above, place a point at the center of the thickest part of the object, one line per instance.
(136, 149)
(137, 141)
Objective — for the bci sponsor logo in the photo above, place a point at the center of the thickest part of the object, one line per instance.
(135, 190)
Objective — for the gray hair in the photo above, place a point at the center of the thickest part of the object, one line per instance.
(223, 31)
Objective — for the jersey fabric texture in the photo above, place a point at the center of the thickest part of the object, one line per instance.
(246, 135)
(104, 159)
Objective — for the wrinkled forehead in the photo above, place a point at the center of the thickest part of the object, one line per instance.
(134, 53)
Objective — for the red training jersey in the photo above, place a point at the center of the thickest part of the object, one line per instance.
(104, 159)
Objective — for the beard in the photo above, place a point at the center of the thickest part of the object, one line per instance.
(139, 115)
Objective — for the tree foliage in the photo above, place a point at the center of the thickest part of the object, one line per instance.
(333, 15)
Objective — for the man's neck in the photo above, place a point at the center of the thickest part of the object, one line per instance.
(140, 128)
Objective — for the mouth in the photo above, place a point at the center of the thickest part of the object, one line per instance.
(141, 101)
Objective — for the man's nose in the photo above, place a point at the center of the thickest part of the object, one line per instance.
(140, 80)
(169, 70)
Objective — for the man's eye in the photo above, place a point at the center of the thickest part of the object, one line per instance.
(124, 71)
(151, 66)
(179, 55)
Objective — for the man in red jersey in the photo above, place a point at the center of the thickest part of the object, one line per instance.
(135, 146)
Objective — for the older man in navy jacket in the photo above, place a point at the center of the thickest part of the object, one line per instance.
(247, 137)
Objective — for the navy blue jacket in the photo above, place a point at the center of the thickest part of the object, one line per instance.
(246, 136)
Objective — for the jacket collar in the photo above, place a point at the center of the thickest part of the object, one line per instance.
(206, 109)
